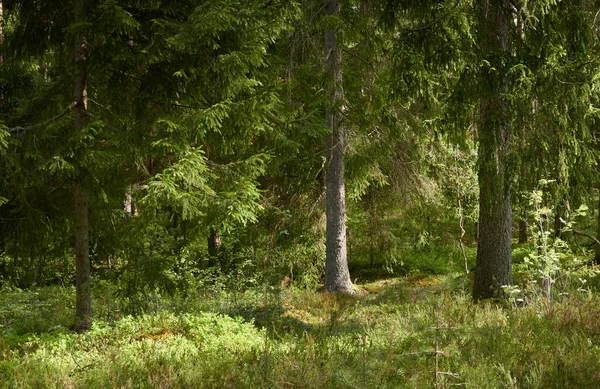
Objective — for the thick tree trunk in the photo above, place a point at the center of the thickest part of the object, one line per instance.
(337, 275)
(214, 245)
(83, 290)
(494, 253)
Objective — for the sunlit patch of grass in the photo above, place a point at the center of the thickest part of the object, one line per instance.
(288, 337)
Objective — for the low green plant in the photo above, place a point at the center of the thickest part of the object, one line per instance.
(549, 260)
(284, 336)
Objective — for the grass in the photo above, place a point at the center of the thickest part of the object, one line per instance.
(387, 336)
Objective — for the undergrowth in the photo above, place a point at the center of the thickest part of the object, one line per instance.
(398, 332)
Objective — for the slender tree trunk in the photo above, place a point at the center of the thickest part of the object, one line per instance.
(558, 224)
(494, 252)
(372, 228)
(1, 42)
(214, 245)
(128, 206)
(83, 289)
(523, 228)
(337, 275)
(597, 257)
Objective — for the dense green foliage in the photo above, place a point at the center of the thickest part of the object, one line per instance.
(195, 146)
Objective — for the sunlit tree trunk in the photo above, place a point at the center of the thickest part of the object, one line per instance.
(494, 253)
(81, 197)
(337, 275)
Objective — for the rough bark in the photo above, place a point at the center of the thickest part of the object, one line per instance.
(337, 275)
(83, 290)
(494, 253)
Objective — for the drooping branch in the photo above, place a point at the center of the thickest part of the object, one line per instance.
(19, 129)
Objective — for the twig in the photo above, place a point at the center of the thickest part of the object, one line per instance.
(451, 374)
(436, 345)
(75, 360)
(460, 215)
(416, 353)
(62, 113)
(576, 232)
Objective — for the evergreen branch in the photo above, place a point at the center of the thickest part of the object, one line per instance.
(88, 113)
(435, 21)
(62, 113)
(177, 105)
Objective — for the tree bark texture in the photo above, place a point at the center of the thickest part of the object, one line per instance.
(337, 275)
(494, 252)
(83, 290)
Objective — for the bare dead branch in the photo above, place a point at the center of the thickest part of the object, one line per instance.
(19, 129)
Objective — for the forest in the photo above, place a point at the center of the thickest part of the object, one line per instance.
(299, 194)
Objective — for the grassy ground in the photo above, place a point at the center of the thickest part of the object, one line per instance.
(396, 333)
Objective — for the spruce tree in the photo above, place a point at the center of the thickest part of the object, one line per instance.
(494, 253)
(337, 275)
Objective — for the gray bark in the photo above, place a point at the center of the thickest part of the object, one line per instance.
(494, 252)
(83, 290)
(337, 275)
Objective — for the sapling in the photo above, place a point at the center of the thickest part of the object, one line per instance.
(544, 261)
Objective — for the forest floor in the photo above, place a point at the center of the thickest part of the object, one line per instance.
(415, 331)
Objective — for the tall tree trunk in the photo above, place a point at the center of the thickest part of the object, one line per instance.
(214, 245)
(372, 227)
(83, 289)
(337, 275)
(523, 228)
(597, 257)
(560, 214)
(1, 42)
(494, 252)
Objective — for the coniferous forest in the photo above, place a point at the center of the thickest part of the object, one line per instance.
(299, 194)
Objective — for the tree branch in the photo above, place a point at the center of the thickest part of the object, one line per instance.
(62, 113)
(435, 21)
(585, 234)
